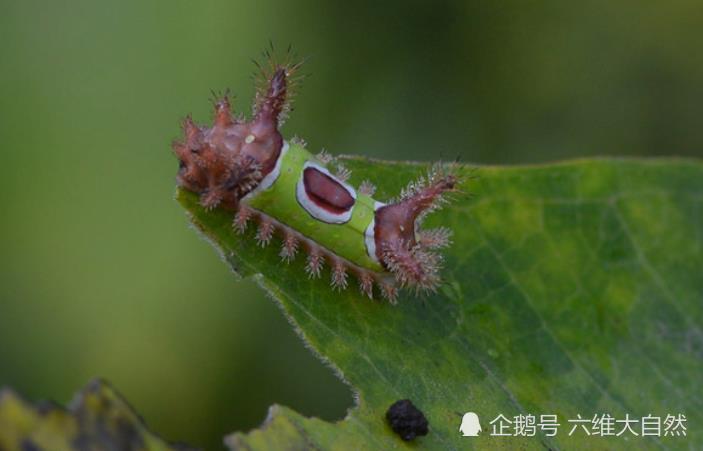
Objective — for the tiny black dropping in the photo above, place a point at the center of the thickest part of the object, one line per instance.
(406, 420)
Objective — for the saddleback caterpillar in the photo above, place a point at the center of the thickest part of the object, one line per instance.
(248, 168)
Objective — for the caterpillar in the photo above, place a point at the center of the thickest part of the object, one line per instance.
(248, 168)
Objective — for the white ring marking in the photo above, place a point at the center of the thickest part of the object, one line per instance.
(370, 234)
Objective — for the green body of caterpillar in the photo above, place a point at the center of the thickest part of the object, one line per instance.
(247, 168)
(280, 201)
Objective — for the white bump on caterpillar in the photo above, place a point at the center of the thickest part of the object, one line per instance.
(339, 275)
(367, 188)
(265, 232)
(315, 263)
(289, 247)
(249, 139)
(241, 219)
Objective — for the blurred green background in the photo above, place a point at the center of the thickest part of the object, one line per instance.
(100, 274)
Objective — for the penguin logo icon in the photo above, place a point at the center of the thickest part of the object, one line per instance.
(470, 426)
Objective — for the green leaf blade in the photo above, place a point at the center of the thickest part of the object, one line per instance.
(570, 289)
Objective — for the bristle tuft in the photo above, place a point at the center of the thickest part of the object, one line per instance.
(223, 112)
(265, 232)
(367, 188)
(435, 238)
(289, 248)
(324, 157)
(297, 140)
(412, 266)
(343, 173)
(366, 284)
(190, 130)
(210, 199)
(271, 68)
(389, 292)
(241, 219)
(315, 263)
(413, 188)
(339, 276)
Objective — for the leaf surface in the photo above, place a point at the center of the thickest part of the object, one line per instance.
(570, 289)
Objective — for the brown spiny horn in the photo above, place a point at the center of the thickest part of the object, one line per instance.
(192, 133)
(397, 221)
(264, 140)
(270, 107)
(394, 232)
(223, 112)
(180, 150)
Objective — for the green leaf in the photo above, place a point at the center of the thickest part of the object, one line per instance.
(570, 289)
(97, 419)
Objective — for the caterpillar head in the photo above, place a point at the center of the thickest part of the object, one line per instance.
(224, 162)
